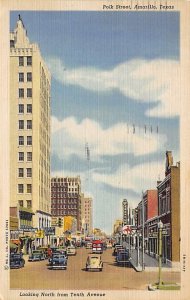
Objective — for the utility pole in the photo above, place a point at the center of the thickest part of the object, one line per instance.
(142, 232)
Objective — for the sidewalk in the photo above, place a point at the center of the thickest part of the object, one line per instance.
(150, 263)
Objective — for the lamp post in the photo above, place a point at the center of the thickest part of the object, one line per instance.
(160, 227)
(138, 256)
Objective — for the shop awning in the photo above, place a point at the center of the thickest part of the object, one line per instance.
(27, 210)
(15, 241)
(12, 245)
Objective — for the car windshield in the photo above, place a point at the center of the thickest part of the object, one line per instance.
(93, 258)
(36, 252)
(58, 256)
(123, 255)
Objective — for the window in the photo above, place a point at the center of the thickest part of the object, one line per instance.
(20, 202)
(21, 61)
(21, 140)
(29, 140)
(29, 172)
(29, 203)
(29, 93)
(29, 188)
(12, 43)
(20, 188)
(20, 172)
(29, 156)
(29, 76)
(29, 108)
(21, 124)
(29, 60)
(21, 156)
(21, 77)
(21, 93)
(29, 124)
(21, 108)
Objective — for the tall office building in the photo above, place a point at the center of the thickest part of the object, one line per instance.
(66, 198)
(86, 205)
(30, 83)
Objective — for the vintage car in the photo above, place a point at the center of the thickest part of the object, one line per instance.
(58, 261)
(36, 255)
(97, 247)
(117, 249)
(16, 260)
(71, 250)
(123, 258)
(94, 263)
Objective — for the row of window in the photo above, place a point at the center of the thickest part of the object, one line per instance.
(28, 93)
(28, 140)
(64, 189)
(28, 124)
(22, 61)
(21, 188)
(62, 212)
(21, 108)
(21, 76)
(64, 201)
(28, 203)
(21, 172)
(64, 206)
(64, 195)
(21, 156)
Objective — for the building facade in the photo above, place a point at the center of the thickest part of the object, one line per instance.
(163, 205)
(66, 198)
(30, 84)
(86, 205)
(169, 210)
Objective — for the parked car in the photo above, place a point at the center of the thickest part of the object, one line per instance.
(58, 261)
(37, 255)
(117, 249)
(123, 258)
(94, 262)
(71, 250)
(16, 260)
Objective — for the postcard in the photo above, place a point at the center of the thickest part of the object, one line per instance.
(95, 149)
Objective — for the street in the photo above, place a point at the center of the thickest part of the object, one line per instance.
(36, 275)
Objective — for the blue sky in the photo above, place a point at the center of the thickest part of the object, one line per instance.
(111, 71)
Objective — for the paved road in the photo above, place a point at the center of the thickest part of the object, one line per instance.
(36, 275)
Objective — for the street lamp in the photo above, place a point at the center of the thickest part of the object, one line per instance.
(138, 254)
(160, 227)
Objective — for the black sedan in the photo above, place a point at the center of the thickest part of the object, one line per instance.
(16, 260)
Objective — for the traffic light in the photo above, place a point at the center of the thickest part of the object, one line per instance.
(60, 222)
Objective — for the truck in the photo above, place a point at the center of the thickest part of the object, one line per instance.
(97, 246)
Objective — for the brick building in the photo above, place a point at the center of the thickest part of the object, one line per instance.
(66, 198)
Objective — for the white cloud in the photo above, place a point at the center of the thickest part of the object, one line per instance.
(140, 177)
(69, 137)
(141, 80)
